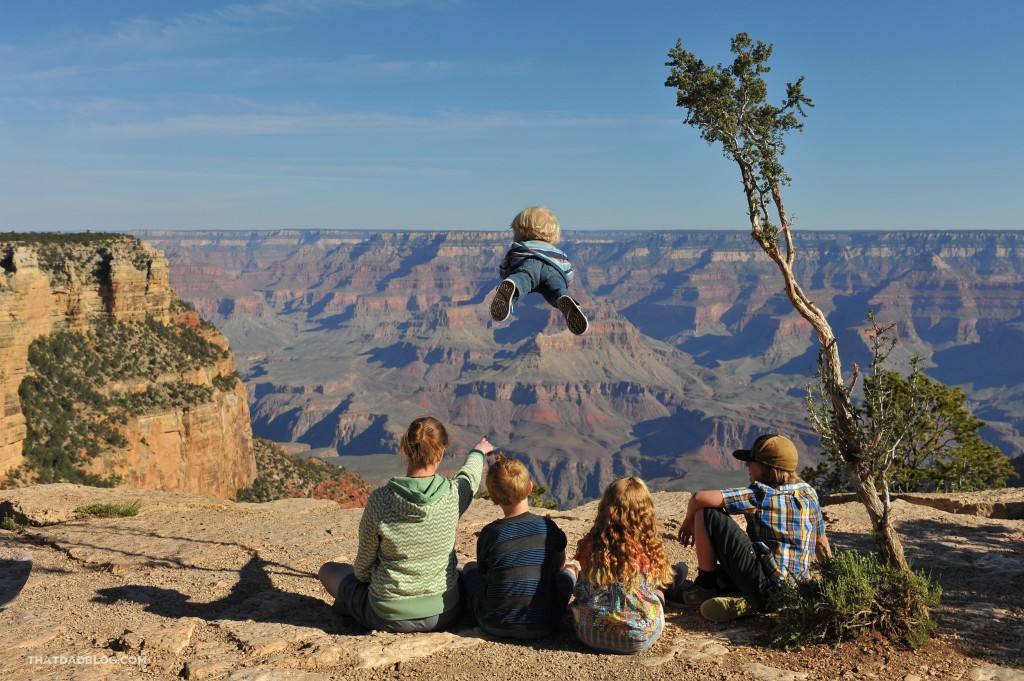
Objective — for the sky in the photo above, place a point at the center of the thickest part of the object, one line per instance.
(393, 114)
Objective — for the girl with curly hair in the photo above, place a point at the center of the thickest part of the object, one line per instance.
(618, 605)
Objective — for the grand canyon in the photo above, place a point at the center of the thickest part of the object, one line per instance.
(342, 337)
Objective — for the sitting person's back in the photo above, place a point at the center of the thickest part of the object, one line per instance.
(518, 587)
(404, 577)
(619, 606)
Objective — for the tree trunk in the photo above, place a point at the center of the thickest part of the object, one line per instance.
(888, 542)
(890, 548)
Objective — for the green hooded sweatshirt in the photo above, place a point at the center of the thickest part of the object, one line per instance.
(407, 542)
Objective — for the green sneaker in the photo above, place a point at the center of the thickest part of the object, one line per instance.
(723, 609)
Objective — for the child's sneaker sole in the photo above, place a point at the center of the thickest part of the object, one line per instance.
(724, 609)
(501, 304)
(574, 317)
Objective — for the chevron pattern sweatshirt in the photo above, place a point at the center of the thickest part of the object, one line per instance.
(407, 542)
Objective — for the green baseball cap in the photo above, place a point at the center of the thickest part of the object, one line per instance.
(774, 450)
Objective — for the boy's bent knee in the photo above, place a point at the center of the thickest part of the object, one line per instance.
(714, 518)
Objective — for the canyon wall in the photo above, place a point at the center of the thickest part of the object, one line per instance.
(48, 286)
(345, 336)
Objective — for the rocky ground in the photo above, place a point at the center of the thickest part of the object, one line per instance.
(200, 588)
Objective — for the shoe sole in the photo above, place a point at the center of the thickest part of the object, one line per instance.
(501, 304)
(720, 613)
(574, 317)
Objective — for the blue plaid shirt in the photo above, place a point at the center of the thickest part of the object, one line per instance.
(787, 520)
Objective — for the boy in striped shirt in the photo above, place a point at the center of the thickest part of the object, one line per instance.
(533, 263)
(519, 585)
(785, 528)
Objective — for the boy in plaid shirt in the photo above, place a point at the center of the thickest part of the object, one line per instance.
(785, 528)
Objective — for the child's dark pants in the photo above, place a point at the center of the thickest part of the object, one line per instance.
(739, 566)
(536, 275)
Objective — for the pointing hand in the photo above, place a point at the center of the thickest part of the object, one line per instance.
(484, 446)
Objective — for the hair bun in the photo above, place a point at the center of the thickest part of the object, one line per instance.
(424, 441)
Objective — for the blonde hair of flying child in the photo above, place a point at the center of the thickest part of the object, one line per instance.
(536, 223)
(624, 529)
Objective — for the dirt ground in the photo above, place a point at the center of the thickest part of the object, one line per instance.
(200, 588)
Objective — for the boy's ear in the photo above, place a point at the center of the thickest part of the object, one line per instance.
(529, 490)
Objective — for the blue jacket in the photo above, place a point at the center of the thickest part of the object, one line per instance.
(536, 250)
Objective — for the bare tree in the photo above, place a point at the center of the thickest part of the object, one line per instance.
(727, 103)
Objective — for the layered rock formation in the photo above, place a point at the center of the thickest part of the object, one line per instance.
(50, 285)
(346, 336)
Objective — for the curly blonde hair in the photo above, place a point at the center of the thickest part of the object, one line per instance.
(536, 223)
(624, 531)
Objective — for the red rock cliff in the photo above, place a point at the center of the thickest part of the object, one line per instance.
(202, 448)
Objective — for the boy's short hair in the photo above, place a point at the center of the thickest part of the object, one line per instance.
(536, 223)
(508, 481)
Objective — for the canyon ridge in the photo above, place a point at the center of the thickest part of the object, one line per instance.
(343, 337)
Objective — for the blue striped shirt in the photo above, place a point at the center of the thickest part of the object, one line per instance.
(520, 557)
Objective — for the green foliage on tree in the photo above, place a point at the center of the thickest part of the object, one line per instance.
(856, 593)
(728, 105)
(930, 440)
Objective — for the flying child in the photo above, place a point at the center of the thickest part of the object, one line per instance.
(533, 263)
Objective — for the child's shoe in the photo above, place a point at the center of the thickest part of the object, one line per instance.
(688, 594)
(726, 608)
(570, 309)
(501, 304)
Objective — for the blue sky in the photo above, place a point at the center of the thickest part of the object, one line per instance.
(457, 113)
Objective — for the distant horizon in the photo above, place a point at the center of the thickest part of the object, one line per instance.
(565, 230)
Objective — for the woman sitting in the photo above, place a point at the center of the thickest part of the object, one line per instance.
(404, 578)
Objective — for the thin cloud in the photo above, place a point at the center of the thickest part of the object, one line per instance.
(262, 124)
(270, 15)
(147, 34)
(352, 66)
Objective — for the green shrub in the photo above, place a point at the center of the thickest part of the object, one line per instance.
(8, 523)
(281, 475)
(112, 510)
(88, 254)
(62, 238)
(854, 594)
(179, 305)
(71, 411)
(227, 383)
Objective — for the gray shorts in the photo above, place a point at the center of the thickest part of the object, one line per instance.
(354, 601)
